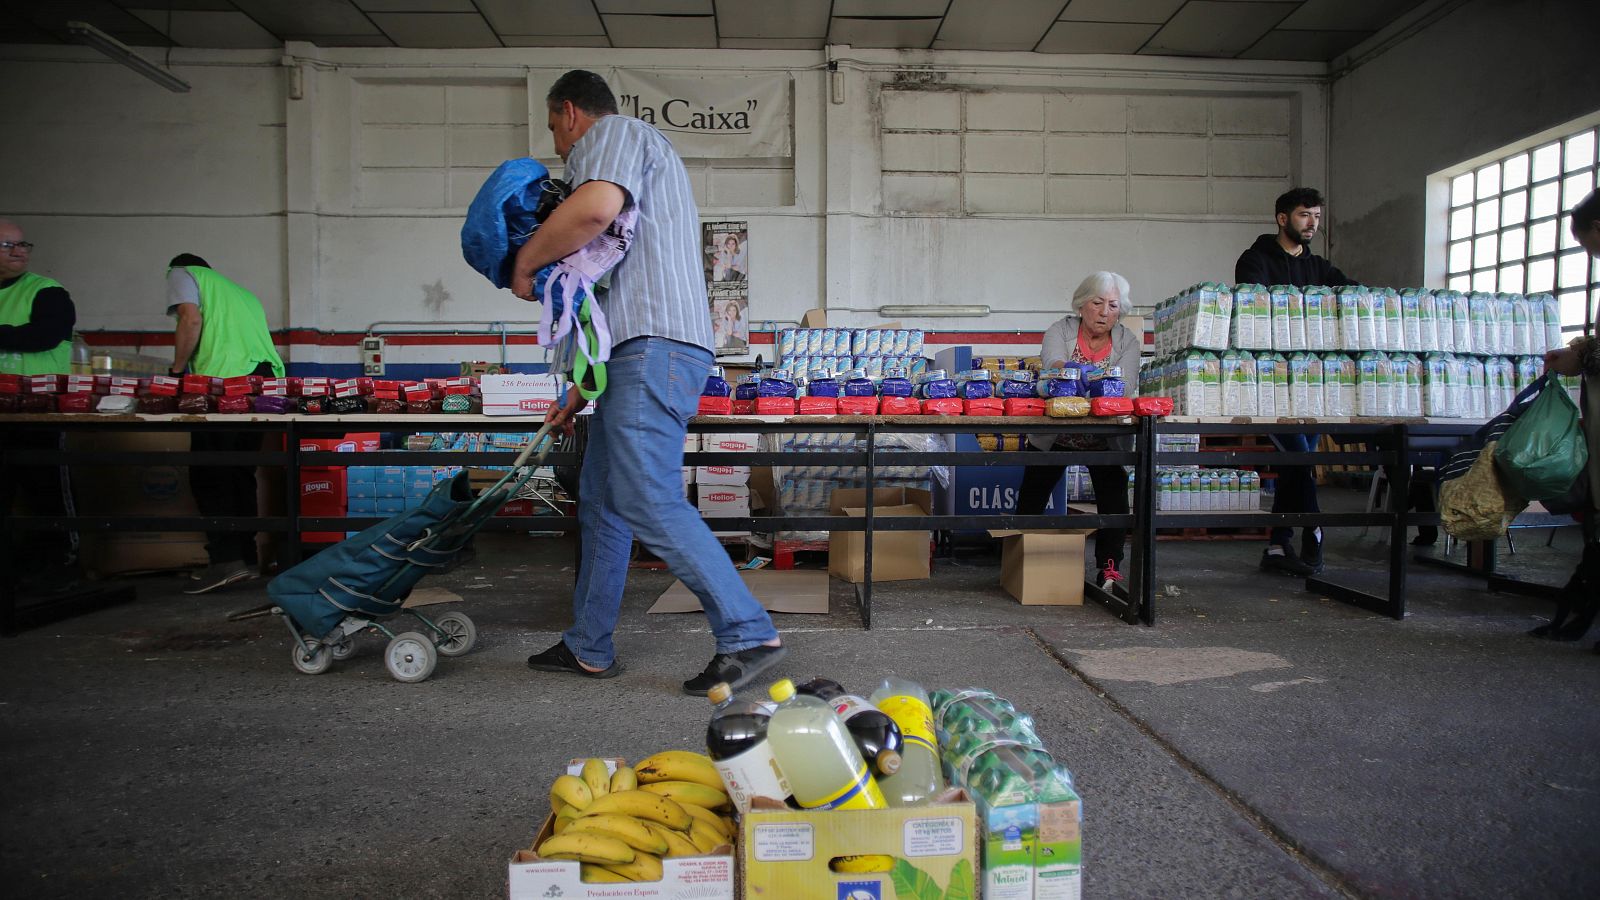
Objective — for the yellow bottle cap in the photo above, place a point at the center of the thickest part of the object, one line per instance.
(781, 690)
(719, 693)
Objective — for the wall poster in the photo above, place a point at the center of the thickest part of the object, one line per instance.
(726, 250)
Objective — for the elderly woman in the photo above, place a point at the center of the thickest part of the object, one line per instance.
(1092, 338)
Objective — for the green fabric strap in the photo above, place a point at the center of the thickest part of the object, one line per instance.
(589, 379)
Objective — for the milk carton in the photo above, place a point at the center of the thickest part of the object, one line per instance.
(1444, 311)
(1522, 342)
(1266, 400)
(1313, 299)
(1213, 315)
(1427, 322)
(1480, 314)
(1477, 388)
(1410, 320)
(1552, 321)
(1437, 400)
(1393, 334)
(1350, 303)
(1235, 382)
(1370, 310)
(1336, 369)
(1505, 320)
(1252, 317)
(1288, 318)
(1373, 381)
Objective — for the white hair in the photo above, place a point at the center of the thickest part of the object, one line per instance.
(1097, 284)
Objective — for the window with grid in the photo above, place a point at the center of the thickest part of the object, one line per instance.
(1508, 225)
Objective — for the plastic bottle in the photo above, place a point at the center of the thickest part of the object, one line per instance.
(736, 741)
(875, 734)
(814, 750)
(716, 384)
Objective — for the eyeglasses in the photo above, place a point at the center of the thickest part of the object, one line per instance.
(8, 246)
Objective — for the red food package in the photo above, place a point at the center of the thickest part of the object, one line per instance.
(818, 406)
(715, 406)
(271, 404)
(775, 406)
(858, 406)
(158, 404)
(1025, 406)
(10, 378)
(46, 384)
(235, 403)
(195, 384)
(307, 389)
(365, 385)
(36, 403)
(237, 387)
(10, 388)
(422, 407)
(8, 402)
(946, 406)
(345, 406)
(76, 403)
(165, 386)
(88, 384)
(385, 405)
(744, 407)
(197, 404)
(380, 394)
(312, 405)
(256, 381)
(346, 387)
(900, 406)
(385, 384)
(458, 390)
(1152, 406)
(418, 392)
(986, 406)
(1111, 406)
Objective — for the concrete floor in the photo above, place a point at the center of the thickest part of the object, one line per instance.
(1260, 742)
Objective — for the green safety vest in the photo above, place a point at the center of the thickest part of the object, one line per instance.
(16, 308)
(234, 337)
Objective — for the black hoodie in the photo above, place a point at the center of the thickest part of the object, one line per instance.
(1266, 263)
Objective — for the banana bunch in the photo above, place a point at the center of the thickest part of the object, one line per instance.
(621, 824)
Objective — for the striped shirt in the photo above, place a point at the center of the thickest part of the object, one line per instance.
(659, 288)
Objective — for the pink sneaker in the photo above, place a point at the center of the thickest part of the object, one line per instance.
(1111, 581)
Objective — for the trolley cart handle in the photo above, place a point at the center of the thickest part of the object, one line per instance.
(521, 471)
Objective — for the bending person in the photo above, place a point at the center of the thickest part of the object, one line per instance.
(1093, 338)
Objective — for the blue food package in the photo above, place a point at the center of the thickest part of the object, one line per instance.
(1067, 382)
(779, 383)
(1111, 385)
(935, 385)
(822, 383)
(977, 384)
(1017, 384)
(895, 383)
(716, 384)
(859, 385)
(747, 387)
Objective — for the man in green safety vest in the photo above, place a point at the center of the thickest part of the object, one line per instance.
(222, 332)
(36, 321)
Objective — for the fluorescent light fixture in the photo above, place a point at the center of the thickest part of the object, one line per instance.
(933, 311)
(122, 53)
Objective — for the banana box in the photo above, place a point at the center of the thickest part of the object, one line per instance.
(900, 853)
(708, 877)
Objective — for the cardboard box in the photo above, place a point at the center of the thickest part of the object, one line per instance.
(721, 475)
(323, 491)
(896, 555)
(723, 501)
(709, 877)
(135, 491)
(785, 853)
(523, 395)
(1043, 568)
(738, 442)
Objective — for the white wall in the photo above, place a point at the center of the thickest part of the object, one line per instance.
(112, 176)
(297, 196)
(1487, 74)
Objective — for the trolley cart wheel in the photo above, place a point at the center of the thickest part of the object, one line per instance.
(457, 634)
(410, 657)
(344, 647)
(315, 663)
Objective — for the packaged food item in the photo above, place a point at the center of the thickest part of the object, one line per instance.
(895, 383)
(944, 406)
(157, 404)
(1024, 406)
(1066, 407)
(1111, 385)
(465, 404)
(716, 384)
(779, 383)
(1444, 305)
(899, 406)
(1480, 314)
(1065, 382)
(1152, 406)
(915, 339)
(1251, 305)
(977, 384)
(196, 404)
(935, 385)
(1552, 321)
(312, 404)
(823, 384)
(1288, 318)
(1410, 320)
(1374, 380)
(116, 403)
(1505, 323)
(236, 403)
(74, 403)
(1111, 406)
(1313, 298)
(1018, 383)
(1428, 322)
(276, 405)
(424, 407)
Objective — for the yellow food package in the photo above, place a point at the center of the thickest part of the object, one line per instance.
(1066, 407)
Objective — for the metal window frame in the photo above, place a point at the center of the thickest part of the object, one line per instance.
(1590, 286)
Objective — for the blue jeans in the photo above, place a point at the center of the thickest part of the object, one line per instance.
(1296, 490)
(632, 487)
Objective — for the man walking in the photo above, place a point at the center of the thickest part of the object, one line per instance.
(660, 323)
(222, 332)
(1286, 258)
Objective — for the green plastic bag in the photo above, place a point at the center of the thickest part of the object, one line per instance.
(1542, 452)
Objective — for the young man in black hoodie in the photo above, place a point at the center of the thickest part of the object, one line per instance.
(1286, 258)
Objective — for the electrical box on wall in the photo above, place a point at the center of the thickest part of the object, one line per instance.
(372, 356)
